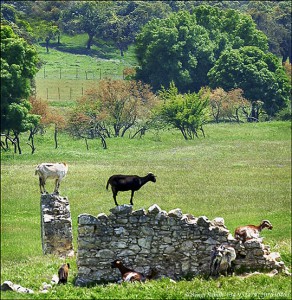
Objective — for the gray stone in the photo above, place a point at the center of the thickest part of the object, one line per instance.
(124, 209)
(139, 212)
(203, 221)
(177, 213)
(87, 219)
(56, 225)
(105, 253)
(154, 209)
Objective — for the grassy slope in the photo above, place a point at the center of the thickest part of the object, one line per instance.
(62, 78)
(239, 172)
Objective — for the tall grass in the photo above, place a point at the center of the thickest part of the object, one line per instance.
(239, 172)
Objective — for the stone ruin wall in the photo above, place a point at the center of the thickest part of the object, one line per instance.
(178, 245)
(56, 225)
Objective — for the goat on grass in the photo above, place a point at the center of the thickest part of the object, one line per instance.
(63, 273)
(248, 232)
(51, 170)
(128, 183)
(129, 275)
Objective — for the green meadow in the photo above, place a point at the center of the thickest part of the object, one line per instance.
(69, 69)
(241, 172)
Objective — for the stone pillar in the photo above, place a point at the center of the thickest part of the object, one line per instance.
(56, 225)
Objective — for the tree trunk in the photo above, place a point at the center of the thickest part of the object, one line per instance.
(17, 143)
(47, 44)
(86, 143)
(89, 42)
(56, 136)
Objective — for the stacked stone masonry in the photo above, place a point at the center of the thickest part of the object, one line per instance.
(175, 244)
(56, 225)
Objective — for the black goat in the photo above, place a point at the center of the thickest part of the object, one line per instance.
(63, 273)
(128, 183)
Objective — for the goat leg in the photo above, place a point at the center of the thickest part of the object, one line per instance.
(42, 186)
(132, 195)
(40, 183)
(114, 196)
(57, 185)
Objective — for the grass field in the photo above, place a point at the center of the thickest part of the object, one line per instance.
(239, 172)
(69, 69)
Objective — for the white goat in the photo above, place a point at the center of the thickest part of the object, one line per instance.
(51, 170)
(221, 260)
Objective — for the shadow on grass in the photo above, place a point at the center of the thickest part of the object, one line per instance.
(104, 51)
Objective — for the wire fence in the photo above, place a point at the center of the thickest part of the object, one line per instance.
(80, 73)
(65, 83)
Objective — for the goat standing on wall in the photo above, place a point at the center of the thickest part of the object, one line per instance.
(51, 170)
(248, 232)
(128, 183)
(222, 258)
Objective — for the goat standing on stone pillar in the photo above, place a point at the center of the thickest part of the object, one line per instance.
(51, 170)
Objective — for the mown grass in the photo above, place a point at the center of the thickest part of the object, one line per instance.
(239, 172)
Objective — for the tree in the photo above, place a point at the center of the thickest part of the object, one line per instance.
(48, 116)
(258, 74)
(111, 109)
(18, 67)
(186, 112)
(88, 17)
(230, 105)
(47, 31)
(185, 46)
(118, 30)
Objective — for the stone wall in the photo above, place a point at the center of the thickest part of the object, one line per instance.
(56, 225)
(176, 244)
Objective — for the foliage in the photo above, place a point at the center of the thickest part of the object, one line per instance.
(112, 108)
(271, 17)
(184, 112)
(48, 116)
(274, 19)
(184, 46)
(46, 31)
(18, 66)
(258, 74)
(228, 105)
(88, 17)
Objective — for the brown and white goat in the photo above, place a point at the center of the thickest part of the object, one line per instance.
(248, 232)
(128, 183)
(222, 258)
(51, 170)
(129, 275)
(63, 273)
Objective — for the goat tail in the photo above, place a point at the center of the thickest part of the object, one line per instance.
(107, 184)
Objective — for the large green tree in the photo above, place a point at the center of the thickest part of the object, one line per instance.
(88, 17)
(18, 67)
(185, 46)
(260, 75)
